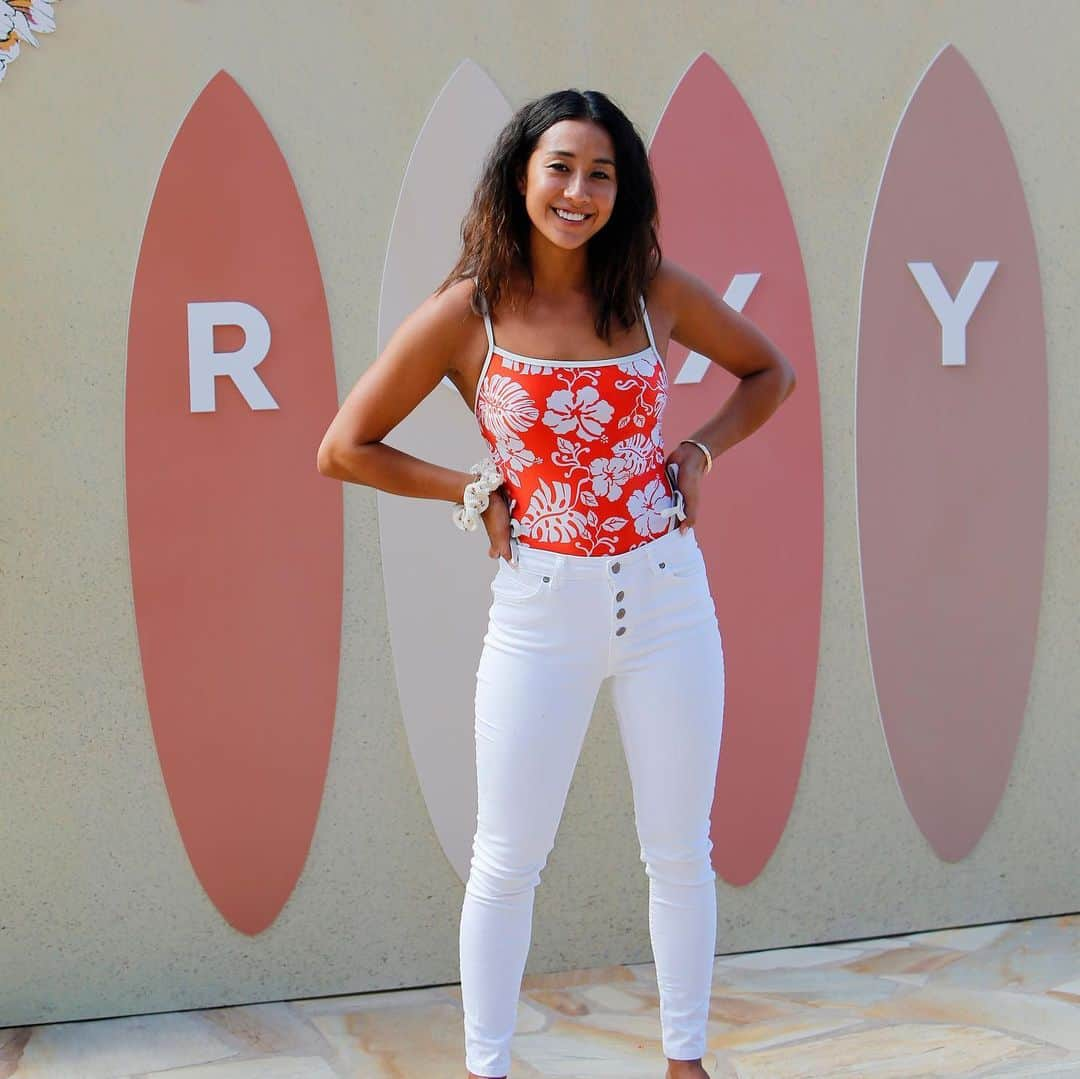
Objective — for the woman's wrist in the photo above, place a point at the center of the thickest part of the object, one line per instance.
(703, 450)
(463, 481)
(485, 480)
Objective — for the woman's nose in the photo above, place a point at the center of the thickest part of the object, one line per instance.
(575, 187)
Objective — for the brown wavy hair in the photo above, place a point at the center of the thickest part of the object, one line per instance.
(623, 257)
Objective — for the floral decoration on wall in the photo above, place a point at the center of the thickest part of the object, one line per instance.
(20, 20)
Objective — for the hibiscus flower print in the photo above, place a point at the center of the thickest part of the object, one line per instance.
(608, 475)
(505, 408)
(513, 457)
(645, 507)
(581, 411)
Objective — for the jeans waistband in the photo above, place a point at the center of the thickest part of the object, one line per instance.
(570, 566)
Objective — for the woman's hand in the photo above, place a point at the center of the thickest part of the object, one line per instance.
(496, 520)
(691, 462)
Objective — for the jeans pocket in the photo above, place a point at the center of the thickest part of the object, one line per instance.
(690, 571)
(685, 565)
(518, 585)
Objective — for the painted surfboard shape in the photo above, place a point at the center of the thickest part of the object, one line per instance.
(436, 578)
(235, 539)
(724, 217)
(952, 516)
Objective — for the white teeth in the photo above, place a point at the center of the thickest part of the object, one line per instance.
(569, 216)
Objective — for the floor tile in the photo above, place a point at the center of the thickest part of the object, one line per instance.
(261, 1068)
(998, 1000)
(897, 1052)
(106, 1048)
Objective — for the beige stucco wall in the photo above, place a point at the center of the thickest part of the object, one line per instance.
(100, 913)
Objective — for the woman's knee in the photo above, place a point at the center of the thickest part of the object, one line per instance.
(679, 863)
(503, 874)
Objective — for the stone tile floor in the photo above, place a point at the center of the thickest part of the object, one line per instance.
(986, 1000)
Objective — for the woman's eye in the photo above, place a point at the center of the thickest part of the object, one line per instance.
(560, 166)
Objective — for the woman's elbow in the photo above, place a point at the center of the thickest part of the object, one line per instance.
(328, 459)
(790, 380)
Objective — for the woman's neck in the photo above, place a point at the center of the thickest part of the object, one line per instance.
(556, 271)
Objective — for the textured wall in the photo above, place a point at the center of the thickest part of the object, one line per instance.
(100, 913)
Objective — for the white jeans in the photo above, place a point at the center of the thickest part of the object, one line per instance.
(559, 625)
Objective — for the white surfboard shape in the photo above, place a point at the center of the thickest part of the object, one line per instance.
(437, 578)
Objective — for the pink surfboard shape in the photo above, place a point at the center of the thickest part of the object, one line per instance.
(951, 454)
(724, 216)
(235, 539)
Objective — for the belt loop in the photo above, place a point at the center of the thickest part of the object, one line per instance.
(557, 571)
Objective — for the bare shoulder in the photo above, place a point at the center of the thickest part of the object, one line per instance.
(670, 289)
(702, 320)
(447, 315)
(456, 300)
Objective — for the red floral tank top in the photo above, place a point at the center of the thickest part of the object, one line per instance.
(579, 446)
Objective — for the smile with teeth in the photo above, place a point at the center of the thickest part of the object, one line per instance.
(569, 215)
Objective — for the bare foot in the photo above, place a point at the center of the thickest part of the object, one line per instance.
(686, 1069)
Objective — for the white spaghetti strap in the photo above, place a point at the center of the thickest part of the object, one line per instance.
(648, 325)
(487, 317)
(491, 344)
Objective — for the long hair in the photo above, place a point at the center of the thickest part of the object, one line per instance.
(623, 257)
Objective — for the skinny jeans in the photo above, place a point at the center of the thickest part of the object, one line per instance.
(558, 626)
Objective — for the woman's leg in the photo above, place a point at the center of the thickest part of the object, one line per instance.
(670, 704)
(532, 713)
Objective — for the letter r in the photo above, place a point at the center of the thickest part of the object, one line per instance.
(205, 365)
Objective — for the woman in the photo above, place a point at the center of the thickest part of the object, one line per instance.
(599, 573)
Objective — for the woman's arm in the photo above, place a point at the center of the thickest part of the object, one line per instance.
(424, 348)
(701, 321)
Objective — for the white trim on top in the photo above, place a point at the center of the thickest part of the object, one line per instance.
(535, 361)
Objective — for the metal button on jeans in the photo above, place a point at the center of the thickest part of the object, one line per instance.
(620, 631)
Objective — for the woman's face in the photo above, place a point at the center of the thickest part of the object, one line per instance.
(569, 183)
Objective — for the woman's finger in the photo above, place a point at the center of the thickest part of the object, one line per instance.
(690, 493)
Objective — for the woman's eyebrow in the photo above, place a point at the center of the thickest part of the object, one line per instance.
(571, 154)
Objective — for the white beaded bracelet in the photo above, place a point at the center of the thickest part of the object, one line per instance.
(466, 515)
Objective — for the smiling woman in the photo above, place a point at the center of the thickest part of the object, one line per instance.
(576, 185)
(600, 574)
(548, 189)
